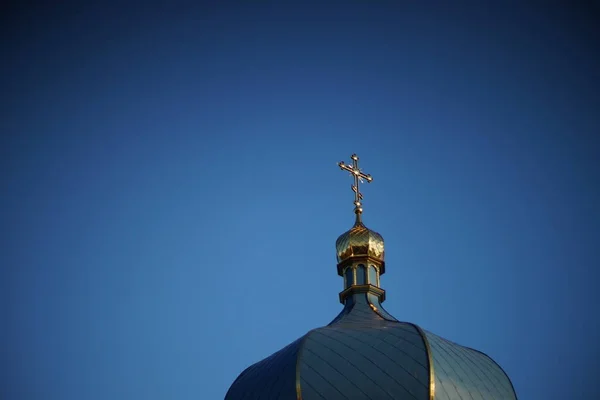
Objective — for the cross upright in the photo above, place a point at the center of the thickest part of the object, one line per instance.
(358, 178)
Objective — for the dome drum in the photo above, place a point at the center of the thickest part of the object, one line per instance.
(362, 259)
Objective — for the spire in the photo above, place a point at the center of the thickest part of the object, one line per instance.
(360, 251)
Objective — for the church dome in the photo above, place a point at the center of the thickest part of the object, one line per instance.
(359, 241)
(365, 352)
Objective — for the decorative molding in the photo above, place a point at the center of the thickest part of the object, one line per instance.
(380, 293)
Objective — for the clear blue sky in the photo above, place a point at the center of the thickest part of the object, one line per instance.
(171, 200)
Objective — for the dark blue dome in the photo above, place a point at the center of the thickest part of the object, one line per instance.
(365, 353)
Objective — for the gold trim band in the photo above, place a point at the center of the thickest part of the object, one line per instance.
(430, 360)
(298, 358)
(380, 293)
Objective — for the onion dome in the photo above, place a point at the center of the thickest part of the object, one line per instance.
(365, 353)
(359, 241)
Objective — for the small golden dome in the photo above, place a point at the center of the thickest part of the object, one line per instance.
(359, 241)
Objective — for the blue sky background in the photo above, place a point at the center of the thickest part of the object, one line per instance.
(171, 200)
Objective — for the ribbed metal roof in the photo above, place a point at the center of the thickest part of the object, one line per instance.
(464, 373)
(365, 353)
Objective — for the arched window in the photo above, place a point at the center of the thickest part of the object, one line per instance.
(349, 275)
(361, 275)
(373, 275)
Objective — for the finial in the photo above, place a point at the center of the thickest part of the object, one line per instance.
(358, 179)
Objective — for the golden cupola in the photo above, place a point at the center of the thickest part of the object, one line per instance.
(360, 251)
(360, 241)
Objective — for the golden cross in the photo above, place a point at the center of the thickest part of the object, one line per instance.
(358, 178)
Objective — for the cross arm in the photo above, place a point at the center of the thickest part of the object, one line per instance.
(346, 167)
(355, 171)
